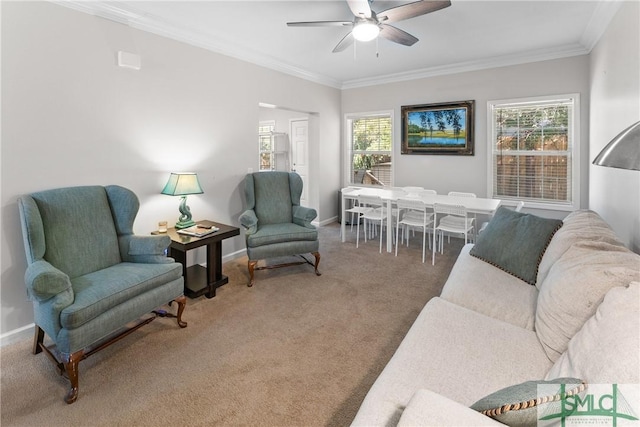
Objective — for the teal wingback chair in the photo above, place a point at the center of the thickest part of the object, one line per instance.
(88, 275)
(275, 224)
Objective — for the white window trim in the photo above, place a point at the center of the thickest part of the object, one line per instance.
(349, 145)
(262, 123)
(575, 151)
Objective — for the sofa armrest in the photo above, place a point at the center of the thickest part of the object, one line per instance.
(145, 249)
(44, 281)
(249, 221)
(429, 408)
(303, 216)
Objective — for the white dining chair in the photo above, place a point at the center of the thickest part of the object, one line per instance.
(356, 211)
(424, 193)
(460, 194)
(459, 223)
(412, 214)
(452, 220)
(376, 214)
(412, 191)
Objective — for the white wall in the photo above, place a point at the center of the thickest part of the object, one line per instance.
(615, 105)
(70, 117)
(469, 173)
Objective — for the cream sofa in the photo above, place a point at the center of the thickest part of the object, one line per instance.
(489, 330)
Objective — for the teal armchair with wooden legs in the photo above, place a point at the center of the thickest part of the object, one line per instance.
(91, 280)
(275, 224)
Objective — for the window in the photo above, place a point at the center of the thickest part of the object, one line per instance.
(369, 143)
(265, 144)
(534, 144)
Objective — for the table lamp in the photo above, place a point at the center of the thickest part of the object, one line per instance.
(182, 184)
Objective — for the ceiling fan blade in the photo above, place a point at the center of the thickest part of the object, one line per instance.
(344, 43)
(397, 35)
(360, 8)
(320, 24)
(411, 10)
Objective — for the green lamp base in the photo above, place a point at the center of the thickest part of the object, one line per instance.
(184, 224)
(185, 220)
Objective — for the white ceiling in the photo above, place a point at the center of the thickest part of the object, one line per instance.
(470, 34)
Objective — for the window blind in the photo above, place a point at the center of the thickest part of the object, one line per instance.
(532, 150)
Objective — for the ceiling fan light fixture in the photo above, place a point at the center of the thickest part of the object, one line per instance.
(365, 31)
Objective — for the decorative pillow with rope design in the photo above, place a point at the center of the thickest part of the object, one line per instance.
(524, 404)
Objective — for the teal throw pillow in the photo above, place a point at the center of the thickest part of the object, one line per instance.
(522, 404)
(515, 242)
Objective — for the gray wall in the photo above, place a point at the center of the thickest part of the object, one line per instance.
(615, 105)
(469, 173)
(71, 116)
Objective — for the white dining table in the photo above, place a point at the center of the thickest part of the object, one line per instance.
(389, 196)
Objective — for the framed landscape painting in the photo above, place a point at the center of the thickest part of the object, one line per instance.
(445, 128)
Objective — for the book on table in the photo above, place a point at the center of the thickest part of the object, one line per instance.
(201, 229)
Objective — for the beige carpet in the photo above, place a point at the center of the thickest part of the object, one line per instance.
(294, 350)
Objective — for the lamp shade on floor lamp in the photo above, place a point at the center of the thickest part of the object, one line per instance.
(623, 151)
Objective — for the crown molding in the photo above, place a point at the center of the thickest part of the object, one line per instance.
(600, 20)
(598, 23)
(151, 24)
(463, 67)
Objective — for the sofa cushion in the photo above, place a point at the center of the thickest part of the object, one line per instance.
(518, 405)
(98, 292)
(281, 233)
(575, 287)
(455, 352)
(515, 241)
(578, 226)
(606, 349)
(486, 289)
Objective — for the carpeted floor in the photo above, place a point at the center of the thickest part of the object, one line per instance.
(294, 350)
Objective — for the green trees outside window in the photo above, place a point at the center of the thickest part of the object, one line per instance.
(371, 145)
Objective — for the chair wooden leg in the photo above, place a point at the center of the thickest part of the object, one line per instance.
(71, 366)
(38, 340)
(317, 255)
(182, 303)
(252, 266)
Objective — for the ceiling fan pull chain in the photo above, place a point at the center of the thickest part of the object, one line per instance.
(377, 52)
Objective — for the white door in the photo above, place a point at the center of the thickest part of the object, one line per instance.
(300, 154)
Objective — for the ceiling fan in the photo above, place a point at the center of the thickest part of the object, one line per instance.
(367, 24)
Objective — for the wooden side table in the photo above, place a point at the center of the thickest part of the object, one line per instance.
(199, 280)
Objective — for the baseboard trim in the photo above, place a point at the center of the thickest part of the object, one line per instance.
(329, 221)
(234, 255)
(19, 334)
